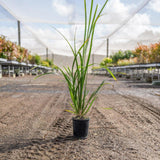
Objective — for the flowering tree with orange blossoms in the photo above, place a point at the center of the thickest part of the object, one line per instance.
(148, 54)
(11, 51)
(154, 55)
(142, 53)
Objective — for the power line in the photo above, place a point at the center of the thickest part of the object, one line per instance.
(76, 22)
(129, 18)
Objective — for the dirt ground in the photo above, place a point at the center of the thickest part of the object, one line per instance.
(34, 124)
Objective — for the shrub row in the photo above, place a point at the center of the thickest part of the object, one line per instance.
(12, 51)
(141, 54)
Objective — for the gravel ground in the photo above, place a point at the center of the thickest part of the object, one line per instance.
(34, 124)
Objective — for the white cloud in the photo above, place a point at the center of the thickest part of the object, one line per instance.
(135, 26)
(63, 8)
(155, 5)
(9, 32)
(148, 34)
(116, 6)
(137, 30)
(116, 12)
(131, 33)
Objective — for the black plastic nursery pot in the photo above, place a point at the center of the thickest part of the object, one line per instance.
(80, 128)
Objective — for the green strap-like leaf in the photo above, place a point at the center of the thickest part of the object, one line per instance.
(93, 95)
(110, 73)
(89, 106)
(70, 111)
(65, 39)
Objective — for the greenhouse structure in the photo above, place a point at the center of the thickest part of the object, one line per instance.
(38, 36)
(147, 72)
(79, 80)
(14, 68)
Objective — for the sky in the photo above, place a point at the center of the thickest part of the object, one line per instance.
(38, 17)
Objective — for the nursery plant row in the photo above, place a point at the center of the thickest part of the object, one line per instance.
(13, 52)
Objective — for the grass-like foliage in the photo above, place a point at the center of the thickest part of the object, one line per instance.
(76, 76)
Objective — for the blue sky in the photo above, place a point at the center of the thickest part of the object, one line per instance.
(39, 15)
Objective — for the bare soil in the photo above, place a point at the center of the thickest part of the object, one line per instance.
(34, 124)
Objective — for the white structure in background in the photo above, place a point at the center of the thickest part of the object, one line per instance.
(1, 60)
(11, 68)
(0, 71)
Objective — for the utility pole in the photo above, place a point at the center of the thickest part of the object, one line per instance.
(46, 53)
(107, 48)
(19, 33)
(53, 57)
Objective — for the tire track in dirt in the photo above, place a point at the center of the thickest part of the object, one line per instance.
(104, 142)
(53, 146)
(126, 132)
(136, 125)
(148, 121)
(61, 144)
(146, 114)
(18, 115)
(46, 114)
(149, 107)
(112, 143)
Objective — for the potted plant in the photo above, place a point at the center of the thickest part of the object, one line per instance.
(17, 72)
(76, 76)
